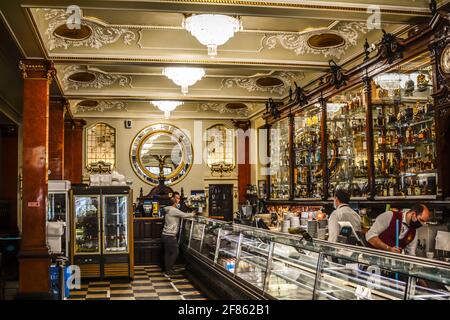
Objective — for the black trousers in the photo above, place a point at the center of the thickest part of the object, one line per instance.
(171, 251)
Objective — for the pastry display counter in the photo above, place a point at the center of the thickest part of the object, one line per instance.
(264, 264)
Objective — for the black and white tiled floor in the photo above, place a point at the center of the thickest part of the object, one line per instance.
(149, 283)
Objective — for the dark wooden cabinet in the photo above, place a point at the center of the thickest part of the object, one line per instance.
(221, 201)
(147, 241)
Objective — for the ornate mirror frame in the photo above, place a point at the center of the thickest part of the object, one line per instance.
(180, 172)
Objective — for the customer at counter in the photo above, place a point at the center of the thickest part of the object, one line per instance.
(170, 231)
(395, 231)
(342, 212)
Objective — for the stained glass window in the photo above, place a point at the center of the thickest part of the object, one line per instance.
(100, 144)
(220, 145)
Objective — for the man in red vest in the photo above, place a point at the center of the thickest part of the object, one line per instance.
(391, 225)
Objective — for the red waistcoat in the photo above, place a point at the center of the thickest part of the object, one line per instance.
(388, 235)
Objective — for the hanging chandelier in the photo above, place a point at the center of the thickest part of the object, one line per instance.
(184, 76)
(167, 106)
(212, 30)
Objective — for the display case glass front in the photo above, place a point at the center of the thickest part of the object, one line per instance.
(307, 153)
(87, 224)
(115, 232)
(290, 267)
(347, 143)
(279, 160)
(57, 206)
(404, 131)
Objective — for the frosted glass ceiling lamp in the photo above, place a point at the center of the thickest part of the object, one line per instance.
(212, 30)
(167, 106)
(184, 76)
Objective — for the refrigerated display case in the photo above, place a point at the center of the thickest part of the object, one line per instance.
(261, 264)
(57, 217)
(307, 153)
(102, 231)
(404, 131)
(279, 160)
(347, 143)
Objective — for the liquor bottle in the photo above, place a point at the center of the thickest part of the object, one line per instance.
(380, 119)
(392, 188)
(424, 190)
(385, 190)
(417, 189)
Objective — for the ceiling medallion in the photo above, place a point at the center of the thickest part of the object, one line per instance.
(100, 106)
(184, 76)
(76, 77)
(269, 84)
(323, 41)
(236, 106)
(212, 30)
(167, 106)
(445, 59)
(64, 32)
(93, 33)
(82, 77)
(232, 108)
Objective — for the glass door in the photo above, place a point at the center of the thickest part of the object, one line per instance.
(115, 224)
(307, 154)
(279, 160)
(404, 131)
(347, 143)
(87, 224)
(57, 214)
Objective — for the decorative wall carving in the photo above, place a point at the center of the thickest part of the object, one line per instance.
(390, 47)
(337, 78)
(299, 42)
(102, 106)
(102, 79)
(102, 33)
(251, 85)
(221, 108)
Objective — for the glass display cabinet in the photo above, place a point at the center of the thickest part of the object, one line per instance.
(58, 228)
(404, 131)
(307, 153)
(272, 265)
(279, 160)
(347, 143)
(102, 231)
(115, 236)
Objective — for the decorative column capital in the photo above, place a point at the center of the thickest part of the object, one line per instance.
(78, 123)
(37, 69)
(241, 124)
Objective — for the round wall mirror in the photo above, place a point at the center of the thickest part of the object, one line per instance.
(161, 150)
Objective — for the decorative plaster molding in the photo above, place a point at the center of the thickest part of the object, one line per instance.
(102, 33)
(251, 85)
(221, 108)
(299, 42)
(102, 79)
(103, 106)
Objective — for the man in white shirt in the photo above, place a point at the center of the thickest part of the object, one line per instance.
(383, 233)
(341, 213)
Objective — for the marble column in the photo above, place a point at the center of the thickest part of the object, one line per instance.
(77, 150)
(243, 166)
(56, 139)
(34, 259)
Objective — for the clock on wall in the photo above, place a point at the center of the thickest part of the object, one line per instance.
(445, 59)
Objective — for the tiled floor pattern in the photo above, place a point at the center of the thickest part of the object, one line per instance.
(149, 283)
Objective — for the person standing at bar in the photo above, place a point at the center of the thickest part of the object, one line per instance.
(170, 231)
(342, 212)
(395, 231)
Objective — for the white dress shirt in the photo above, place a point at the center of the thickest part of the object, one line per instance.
(382, 223)
(342, 213)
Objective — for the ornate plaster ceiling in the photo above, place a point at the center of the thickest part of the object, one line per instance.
(116, 58)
